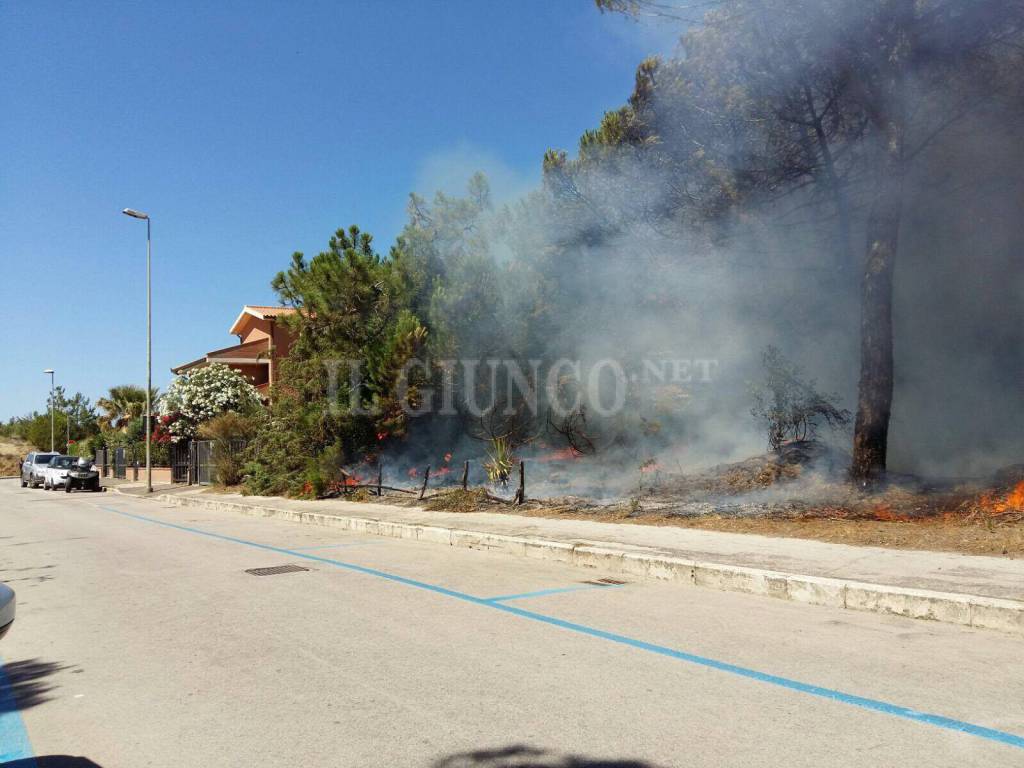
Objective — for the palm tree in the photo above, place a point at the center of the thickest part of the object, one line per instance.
(124, 404)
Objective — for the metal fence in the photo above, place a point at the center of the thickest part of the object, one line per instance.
(120, 464)
(194, 461)
(99, 459)
(125, 459)
(181, 462)
(206, 470)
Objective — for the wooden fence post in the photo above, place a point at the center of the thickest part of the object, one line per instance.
(426, 476)
(521, 493)
(465, 476)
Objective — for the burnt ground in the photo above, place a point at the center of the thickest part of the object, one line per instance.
(801, 492)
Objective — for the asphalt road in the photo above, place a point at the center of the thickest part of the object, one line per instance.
(142, 641)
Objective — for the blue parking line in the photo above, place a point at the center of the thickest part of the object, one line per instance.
(14, 743)
(874, 705)
(555, 591)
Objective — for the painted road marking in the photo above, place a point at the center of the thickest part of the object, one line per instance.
(874, 705)
(335, 546)
(14, 743)
(555, 591)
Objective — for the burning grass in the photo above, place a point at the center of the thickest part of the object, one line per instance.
(800, 491)
(966, 518)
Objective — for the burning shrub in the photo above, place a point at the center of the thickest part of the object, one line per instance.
(500, 460)
(789, 407)
(573, 427)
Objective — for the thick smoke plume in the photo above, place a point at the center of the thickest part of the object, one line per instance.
(727, 209)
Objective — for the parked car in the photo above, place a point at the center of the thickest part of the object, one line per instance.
(7, 604)
(34, 467)
(82, 475)
(56, 472)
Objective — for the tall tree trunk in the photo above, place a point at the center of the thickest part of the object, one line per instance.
(874, 402)
(882, 96)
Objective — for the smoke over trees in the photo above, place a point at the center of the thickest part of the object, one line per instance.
(840, 96)
(816, 175)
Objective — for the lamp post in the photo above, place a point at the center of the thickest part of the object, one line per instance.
(149, 343)
(50, 371)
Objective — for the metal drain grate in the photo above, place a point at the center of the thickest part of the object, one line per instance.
(606, 582)
(275, 569)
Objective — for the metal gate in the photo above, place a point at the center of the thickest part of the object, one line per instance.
(99, 459)
(206, 471)
(120, 464)
(181, 454)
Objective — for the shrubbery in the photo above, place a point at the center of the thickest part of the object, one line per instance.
(230, 433)
(790, 408)
(353, 306)
(200, 396)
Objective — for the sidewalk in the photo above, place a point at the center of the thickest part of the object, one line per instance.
(962, 589)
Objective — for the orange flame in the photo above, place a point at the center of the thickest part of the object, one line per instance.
(1012, 502)
(884, 512)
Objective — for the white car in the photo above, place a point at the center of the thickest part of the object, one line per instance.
(34, 467)
(7, 603)
(56, 472)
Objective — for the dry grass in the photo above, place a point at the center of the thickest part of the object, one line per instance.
(979, 522)
(12, 450)
(458, 500)
(766, 496)
(970, 523)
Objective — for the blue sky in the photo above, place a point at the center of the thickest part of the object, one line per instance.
(248, 131)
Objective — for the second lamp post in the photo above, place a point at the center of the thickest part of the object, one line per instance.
(149, 342)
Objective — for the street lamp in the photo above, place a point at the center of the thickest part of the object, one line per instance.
(149, 343)
(50, 371)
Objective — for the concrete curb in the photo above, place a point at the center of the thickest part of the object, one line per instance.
(950, 607)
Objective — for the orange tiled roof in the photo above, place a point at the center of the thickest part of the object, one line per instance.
(261, 312)
(271, 310)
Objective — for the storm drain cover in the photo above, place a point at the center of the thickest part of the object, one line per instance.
(275, 569)
(606, 583)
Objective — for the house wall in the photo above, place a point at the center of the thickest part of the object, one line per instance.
(257, 373)
(273, 334)
(257, 330)
(282, 340)
(254, 329)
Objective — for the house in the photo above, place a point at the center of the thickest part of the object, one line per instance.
(263, 342)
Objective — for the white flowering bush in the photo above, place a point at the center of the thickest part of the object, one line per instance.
(196, 398)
